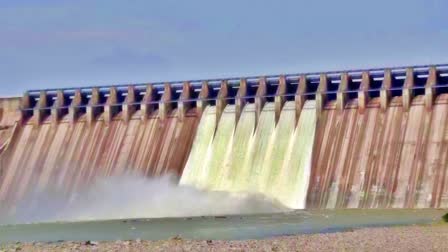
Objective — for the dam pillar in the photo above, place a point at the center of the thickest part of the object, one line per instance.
(25, 106)
(408, 91)
(280, 98)
(129, 107)
(240, 101)
(58, 107)
(341, 96)
(300, 97)
(39, 110)
(321, 94)
(203, 96)
(221, 102)
(184, 102)
(165, 102)
(363, 92)
(73, 110)
(430, 92)
(260, 97)
(111, 107)
(93, 108)
(147, 106)
(385, 91)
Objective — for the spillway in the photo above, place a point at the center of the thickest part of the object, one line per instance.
(269, 159)
(296, 168)
(372, 138)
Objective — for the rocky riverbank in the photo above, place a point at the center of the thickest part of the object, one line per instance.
(413, 238)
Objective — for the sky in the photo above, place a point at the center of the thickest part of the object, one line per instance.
(59, 43)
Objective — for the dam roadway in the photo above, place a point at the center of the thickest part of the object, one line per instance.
(374, 138)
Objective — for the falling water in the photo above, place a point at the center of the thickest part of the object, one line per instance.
(195, 167)
(296, 169)
(238, 152)
(274, 160)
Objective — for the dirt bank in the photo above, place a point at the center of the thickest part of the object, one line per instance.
(415, 238)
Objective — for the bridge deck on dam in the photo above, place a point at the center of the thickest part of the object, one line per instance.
(375, 138)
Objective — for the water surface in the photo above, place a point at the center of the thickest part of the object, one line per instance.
(222, 228)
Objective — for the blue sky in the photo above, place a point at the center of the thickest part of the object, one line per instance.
(76, 43)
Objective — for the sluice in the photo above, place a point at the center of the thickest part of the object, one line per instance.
(375, 138)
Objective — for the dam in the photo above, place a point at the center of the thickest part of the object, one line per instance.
(368, 138)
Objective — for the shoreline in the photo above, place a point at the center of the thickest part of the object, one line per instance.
(432, 237)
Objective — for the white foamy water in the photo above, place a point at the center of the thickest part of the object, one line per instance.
(130, 196)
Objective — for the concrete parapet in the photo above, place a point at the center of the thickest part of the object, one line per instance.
(321, 94)
(363, 93)
(385, 92)
(408, 91)
(111, 108)
(184, 104)
(165, 104)
(280, 98)
(24, 106)
(10, 111)
(239, 100)
(430, 92)
(203, 95)
(39, 111)
(93, 109)
(221, 101)
(73, 110)
(129, 107)
(92, 100)
(341, 96)
(260, 97)
(300, 97)
(146, 106)
(57, 110)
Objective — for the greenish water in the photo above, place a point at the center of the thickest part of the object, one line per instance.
(277, 151)
(296, 169)
(222, 228)
(234, 163)
(219, 150)
(195, 167)
(260, 149)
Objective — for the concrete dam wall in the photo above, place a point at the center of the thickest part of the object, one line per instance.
(71, 153)
(372, 138)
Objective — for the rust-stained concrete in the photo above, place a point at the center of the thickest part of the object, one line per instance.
(381, 160)
(72, 155)
(9, 115)
(9, 111)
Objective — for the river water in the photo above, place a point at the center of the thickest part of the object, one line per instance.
(221, 227)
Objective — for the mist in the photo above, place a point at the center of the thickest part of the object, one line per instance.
(130, 197)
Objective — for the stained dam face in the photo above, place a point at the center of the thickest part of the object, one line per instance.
(363, 139)
(71, 155)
